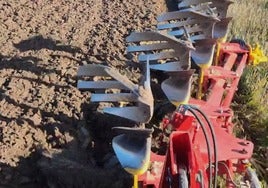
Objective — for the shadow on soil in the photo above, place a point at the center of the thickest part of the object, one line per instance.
(68, 168)
(85, 160)
(39, 42)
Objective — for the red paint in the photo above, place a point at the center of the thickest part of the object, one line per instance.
(187, 144)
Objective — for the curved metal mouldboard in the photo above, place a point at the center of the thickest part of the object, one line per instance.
(140, 96)
(165, 52)
(132, 148)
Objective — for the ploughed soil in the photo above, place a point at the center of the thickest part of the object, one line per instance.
(50, 133)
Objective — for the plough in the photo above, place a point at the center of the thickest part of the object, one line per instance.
(202, 146)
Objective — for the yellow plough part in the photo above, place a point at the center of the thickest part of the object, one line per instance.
(257, 56)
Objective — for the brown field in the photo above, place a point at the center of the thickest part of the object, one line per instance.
(43, 132)
(45, 122)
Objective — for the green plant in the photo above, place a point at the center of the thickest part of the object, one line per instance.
(251, 107)
(250, 23)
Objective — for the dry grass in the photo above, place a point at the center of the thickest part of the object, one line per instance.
(250, 23)
(251, 107)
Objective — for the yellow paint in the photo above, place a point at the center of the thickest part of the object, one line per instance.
(135, 183)
(205, 66)
(222, 39)
(140, 170)
(200, 84)
(186, 101)
(217, 53)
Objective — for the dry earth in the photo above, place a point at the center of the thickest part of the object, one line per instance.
(49, 133)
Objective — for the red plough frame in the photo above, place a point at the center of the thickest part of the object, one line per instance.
(187, 150)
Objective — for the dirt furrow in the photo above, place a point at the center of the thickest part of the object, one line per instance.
(45, 122)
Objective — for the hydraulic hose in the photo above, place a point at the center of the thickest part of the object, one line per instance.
(214, 142)
(207, 142)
